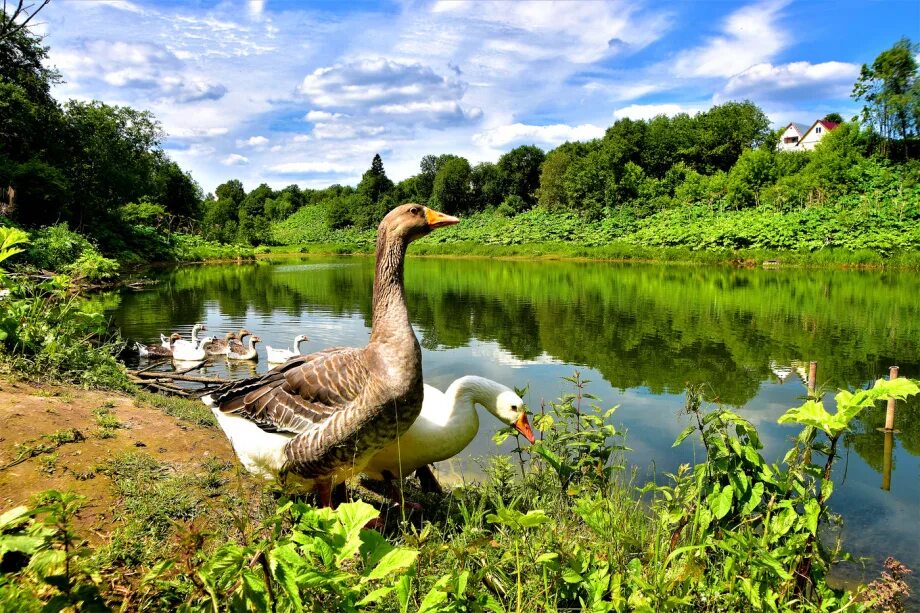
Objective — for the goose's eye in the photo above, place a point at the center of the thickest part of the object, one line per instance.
(514, 407)
(414, 210)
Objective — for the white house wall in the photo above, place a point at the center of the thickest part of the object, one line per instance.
(790, 132)
(812, 137)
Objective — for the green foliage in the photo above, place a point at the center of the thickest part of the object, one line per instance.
(48, 558)
(45, 332)
(890, 89)
(849, 406)
(733, 532)
(11, 242)
(451, 190)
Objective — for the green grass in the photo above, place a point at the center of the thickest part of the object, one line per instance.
(192, 411)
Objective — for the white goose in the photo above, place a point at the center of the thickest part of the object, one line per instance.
(279, 356)
(181, 341)
(446, 425)
(187, 352)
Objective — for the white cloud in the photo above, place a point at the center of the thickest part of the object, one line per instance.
(256, 7)
(234, 159)
(303, 168)
(197, 133)
(302, 138)
(122, 5)
(412, 91)
(648, 111)
(552, 135)
(321, 116)
(199, 149)
(344, 131)
(796, 81)
(751, 35)
(144, 67)
(579, 32)
(252, 141)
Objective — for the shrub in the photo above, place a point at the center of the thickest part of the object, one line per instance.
(55, 247)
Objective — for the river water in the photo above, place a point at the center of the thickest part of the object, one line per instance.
(639, 333)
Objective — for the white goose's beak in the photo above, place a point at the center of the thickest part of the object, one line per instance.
(523, 426)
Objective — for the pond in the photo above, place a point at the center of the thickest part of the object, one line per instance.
(639, 333)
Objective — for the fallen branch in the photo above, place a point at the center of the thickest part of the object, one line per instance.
(177, 376)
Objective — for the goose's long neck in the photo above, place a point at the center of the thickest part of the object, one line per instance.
(391, 325)
(466, 392)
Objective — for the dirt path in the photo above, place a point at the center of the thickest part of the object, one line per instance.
(30, 415)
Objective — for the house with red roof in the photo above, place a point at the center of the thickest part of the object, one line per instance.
(815, 133)
(801, 137)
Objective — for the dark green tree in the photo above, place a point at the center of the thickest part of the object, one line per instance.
(451, 192)
(231, 191)
(485, 186)
(375, 183)
(519, 170)
(724, 132)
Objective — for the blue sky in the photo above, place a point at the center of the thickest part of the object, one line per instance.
(294, 92)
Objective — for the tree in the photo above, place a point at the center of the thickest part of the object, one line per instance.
(17, 20)
(519, 170)
(586, 180)
(754, 170)
(485, 186)
(833, 117)
(724, 132)
(451, 191)
(551, 193)
(113, 155)
(176, 191)
(430, 165)
(374, 183)
(231, 191)
(891, 92)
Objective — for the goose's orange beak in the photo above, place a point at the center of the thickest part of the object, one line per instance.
(439, 220)
(523, 426)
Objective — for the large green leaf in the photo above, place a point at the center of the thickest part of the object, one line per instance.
(722, 503)
(396, 561)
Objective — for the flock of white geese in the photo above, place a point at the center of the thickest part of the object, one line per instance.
(319, 419)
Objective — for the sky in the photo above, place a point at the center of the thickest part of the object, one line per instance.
(284, 92)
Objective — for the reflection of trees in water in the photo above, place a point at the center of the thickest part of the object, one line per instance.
(653, 326)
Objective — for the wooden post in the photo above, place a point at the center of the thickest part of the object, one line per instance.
(886, 460)
(889, 416)
(812, 378)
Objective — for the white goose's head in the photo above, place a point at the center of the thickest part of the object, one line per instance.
(302, 338)
(500, 400)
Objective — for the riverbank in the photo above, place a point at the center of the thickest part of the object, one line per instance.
(618, 251)
(161, 515)
(811, 237)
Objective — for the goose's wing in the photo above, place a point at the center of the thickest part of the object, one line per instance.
(300, 393)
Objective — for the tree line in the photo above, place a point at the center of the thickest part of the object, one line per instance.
(101, 169)
(725, 158)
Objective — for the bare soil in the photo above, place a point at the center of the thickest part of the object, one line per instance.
(29, 413)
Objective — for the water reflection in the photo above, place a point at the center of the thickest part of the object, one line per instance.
(640, 333)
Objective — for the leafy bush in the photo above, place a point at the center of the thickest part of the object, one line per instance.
(46, 333)
(55, 247)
